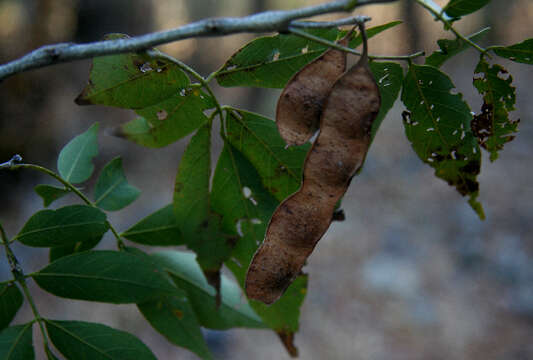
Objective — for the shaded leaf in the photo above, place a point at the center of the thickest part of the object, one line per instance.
(521, 52)
(458, 8)
(65, 226)
(60, 251)
(75, 159)
(389, 77)
(132, 80)
(234, 310)
(50, 193)
(112, 191)
(257, 138)
(16, 343)
(450, 48)
(83, 340)
(239, 194)
(169, 120)
(159, 228)
(272, 60)
(438, 127)
(173, 317)
(106, 276)
(493, 127)
(10, 302)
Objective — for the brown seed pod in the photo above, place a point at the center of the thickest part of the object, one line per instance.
(300, 103)
(300, 220)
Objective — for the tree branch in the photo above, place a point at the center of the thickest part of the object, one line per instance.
(262, 22)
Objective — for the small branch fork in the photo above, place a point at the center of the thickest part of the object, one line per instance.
(268, 21)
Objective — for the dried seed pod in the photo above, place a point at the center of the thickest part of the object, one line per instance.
(300, 103)
(300, 220)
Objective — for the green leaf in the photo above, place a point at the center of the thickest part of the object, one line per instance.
(458, 8)
(75, 159)
(174, 318)
(198, 224)
(272, 60)
(132, 80)
(492, 126)
(106, 276)
(234, 310)
(438, 127)
(10, 302)
(521, 52)
(257, 138)
(169, 120)
(67, 225)
(16, 343)
(239, 194)
(61, 251)
(389, 77)
(90, 341)
(112, 191)
(50, 193)
(191, 189)
(450, 48)
(157, 229)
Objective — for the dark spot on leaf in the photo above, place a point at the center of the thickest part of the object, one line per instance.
(482, 124)
(178, 313)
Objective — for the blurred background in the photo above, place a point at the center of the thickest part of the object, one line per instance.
(411, 274)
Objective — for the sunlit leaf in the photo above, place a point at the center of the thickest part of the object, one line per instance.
(106, 276)
(438, 126)
(75, 159)
(492, 126)
(171, 119)
(112, 191)
(65, 226)
(272, 60)
(10, 302)
(132, 80)
(90, 341)
(159, 228)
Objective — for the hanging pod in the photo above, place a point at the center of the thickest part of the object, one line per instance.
(300, 104)
(301, 220)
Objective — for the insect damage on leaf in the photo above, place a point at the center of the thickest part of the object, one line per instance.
(492, 126)
(301, 220)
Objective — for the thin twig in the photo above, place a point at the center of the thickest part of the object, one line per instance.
(334, 45)
(19, 277)
(68, 185)
(268, 21)
(440, 15)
